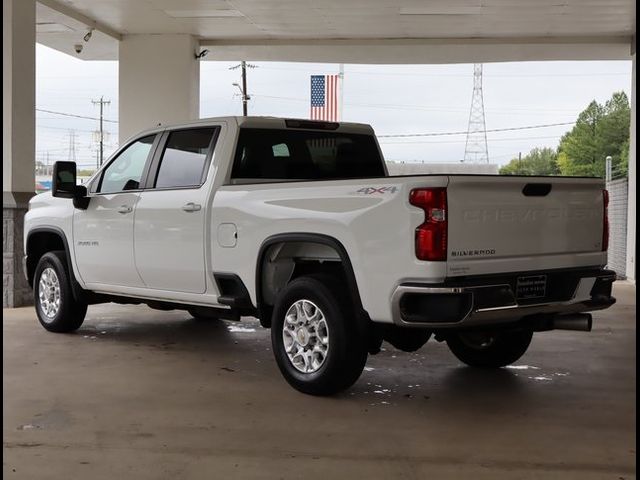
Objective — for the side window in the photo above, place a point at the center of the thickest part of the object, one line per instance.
(183, 162)
(125, 172)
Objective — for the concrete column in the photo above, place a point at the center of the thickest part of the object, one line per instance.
(159, 81)
(631, 208)
(18, 140)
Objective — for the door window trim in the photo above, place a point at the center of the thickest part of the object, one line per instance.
(97, 183)
(154, 165)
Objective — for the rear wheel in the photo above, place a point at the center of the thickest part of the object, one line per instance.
(56, 308)
(315, 336)
(489, 349)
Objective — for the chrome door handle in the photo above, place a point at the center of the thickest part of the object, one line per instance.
(124, 209)
(191, 207)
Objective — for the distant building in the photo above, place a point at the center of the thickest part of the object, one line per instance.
(43, 169)
(412, 168)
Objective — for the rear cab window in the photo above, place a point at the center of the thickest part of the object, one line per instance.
(276, 154)
(185, 158)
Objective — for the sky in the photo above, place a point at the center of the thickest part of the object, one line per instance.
(394, 99)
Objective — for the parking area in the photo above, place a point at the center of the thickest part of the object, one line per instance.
(138, 393)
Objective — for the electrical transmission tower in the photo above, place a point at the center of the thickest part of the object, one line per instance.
(476, 150)
(72, 146)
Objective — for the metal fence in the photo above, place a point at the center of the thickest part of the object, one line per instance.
(617, 185)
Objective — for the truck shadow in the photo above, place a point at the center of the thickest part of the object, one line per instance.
(141, 326)
(435, 378)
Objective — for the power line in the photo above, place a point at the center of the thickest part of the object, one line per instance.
(459, 75)
(64, 114)
(47, 127)
(491, 130)
(462, 140)
(57, 149)
(436, 108)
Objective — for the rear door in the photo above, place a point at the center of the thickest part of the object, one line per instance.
(171, 217)
(506, 224)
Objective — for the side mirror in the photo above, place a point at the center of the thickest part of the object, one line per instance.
(64, 184)
(64, 180)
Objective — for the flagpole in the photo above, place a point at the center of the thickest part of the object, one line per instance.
(341, 92)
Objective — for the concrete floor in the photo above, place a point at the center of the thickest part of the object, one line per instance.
(137, 393)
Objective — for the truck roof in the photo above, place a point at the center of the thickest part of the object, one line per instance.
(268, 122)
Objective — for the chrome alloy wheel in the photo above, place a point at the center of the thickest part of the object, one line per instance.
(306, 336)
(49, 293)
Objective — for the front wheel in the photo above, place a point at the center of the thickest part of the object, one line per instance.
(489, 349)
(315, 336)
(56, 308)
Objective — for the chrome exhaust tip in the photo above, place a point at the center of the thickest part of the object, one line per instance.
(581, 322)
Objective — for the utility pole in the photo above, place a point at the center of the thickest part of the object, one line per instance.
(102, 103)
(243, 88)
(476, 148)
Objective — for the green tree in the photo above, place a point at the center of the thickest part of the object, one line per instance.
(580, 147)
(539, 161)
(615, 131)
(624, 160)
(600, 131)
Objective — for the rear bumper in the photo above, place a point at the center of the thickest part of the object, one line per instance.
(483, 302)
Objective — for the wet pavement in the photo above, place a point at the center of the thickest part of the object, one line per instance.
(138, 393)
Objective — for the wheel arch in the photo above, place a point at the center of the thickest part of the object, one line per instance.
(329, 243)
(41, 240)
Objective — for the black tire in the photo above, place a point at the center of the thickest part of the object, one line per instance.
(203, 314)
(347, 347)
(406, 339)
(490, 349)
(70, 313)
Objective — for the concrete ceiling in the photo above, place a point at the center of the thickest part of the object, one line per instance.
(322, 30)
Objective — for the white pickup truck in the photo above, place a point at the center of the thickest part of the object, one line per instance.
(297, 223)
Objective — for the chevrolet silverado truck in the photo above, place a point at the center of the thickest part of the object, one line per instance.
(298, 223)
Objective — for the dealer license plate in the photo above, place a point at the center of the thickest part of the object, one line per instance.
(531, 287)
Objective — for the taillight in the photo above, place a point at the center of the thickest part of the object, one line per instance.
(431, 235)
(605, 221)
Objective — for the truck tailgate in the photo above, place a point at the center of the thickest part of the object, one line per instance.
(514, 224)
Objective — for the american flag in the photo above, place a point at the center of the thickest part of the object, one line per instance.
(324, 97)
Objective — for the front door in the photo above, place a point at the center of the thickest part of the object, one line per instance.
(103, 233)
(171, 213)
